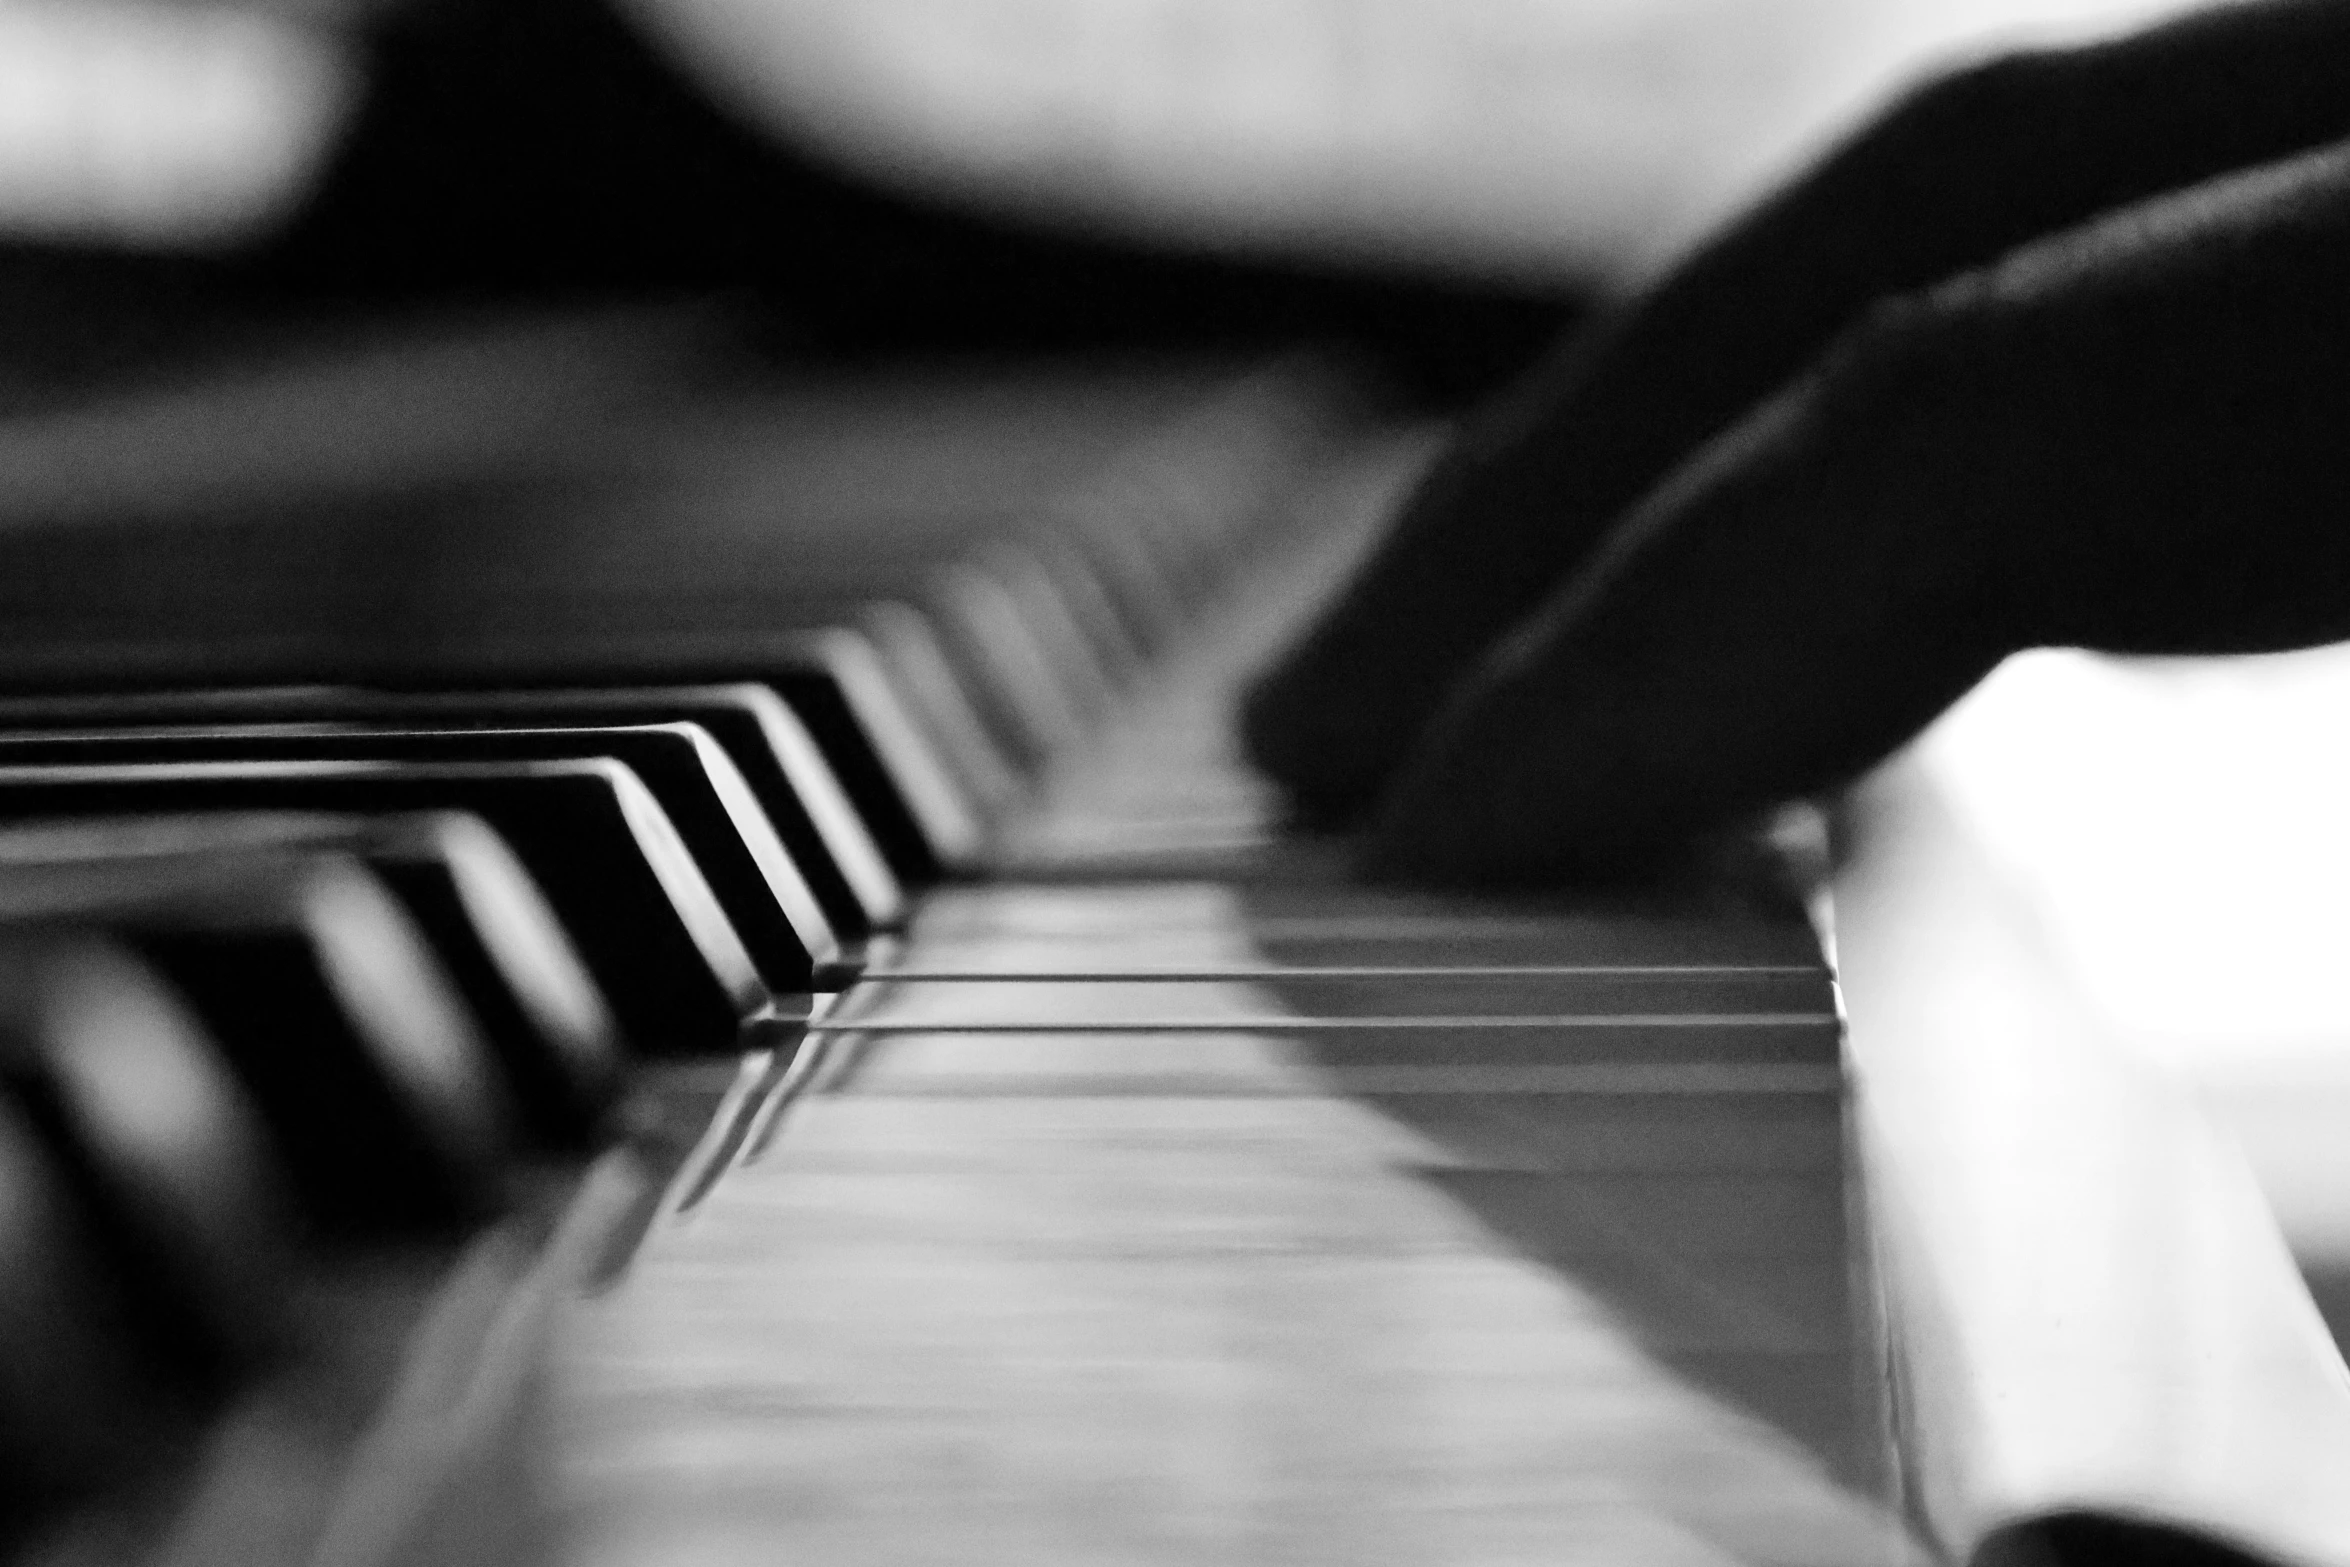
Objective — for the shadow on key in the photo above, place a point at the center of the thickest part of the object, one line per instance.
(1674, 1144)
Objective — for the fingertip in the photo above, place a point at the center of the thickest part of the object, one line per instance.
(1462, 841)
(1499, 800)
(1445, 831)
(1486, 531)
(1296, 726)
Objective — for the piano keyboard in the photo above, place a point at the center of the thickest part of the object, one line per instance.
(790, 1035)
(1154, 1141)
(1166, 1197)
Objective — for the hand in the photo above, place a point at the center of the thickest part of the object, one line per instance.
(2057, 352)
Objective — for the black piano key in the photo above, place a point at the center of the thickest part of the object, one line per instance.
(550, 1032)
(936, 690)
(779, 760)
(330, 1009)
(162, 1146)
(548, 1028)
(1144, 606)
(594, 839)
(1034, 705)
(834, 680)
(729, 837)
(925, 816)
(1004, 675)
(926, 824)
(1087, 607)
(77, 1410)
(1035, 647)
(319, 1012)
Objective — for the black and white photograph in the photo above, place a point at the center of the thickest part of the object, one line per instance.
(1174, 783)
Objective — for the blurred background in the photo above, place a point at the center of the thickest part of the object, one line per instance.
(1439, 183)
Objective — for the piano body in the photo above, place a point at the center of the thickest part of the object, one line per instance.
(611, 955)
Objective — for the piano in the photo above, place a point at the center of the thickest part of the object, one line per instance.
(716, 991)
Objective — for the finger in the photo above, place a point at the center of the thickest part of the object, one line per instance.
(1960, 173)
(2125, 437)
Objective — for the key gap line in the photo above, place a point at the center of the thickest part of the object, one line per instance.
(1277, 1025)
(1613, 1080)
(1245, 972)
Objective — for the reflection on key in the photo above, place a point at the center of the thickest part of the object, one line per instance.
(75, 1412)
(330, 1009)
(183, 1196)
(548, 1029)
(554, 1039)
(768, 744)
(731, 840)
(593, 837)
